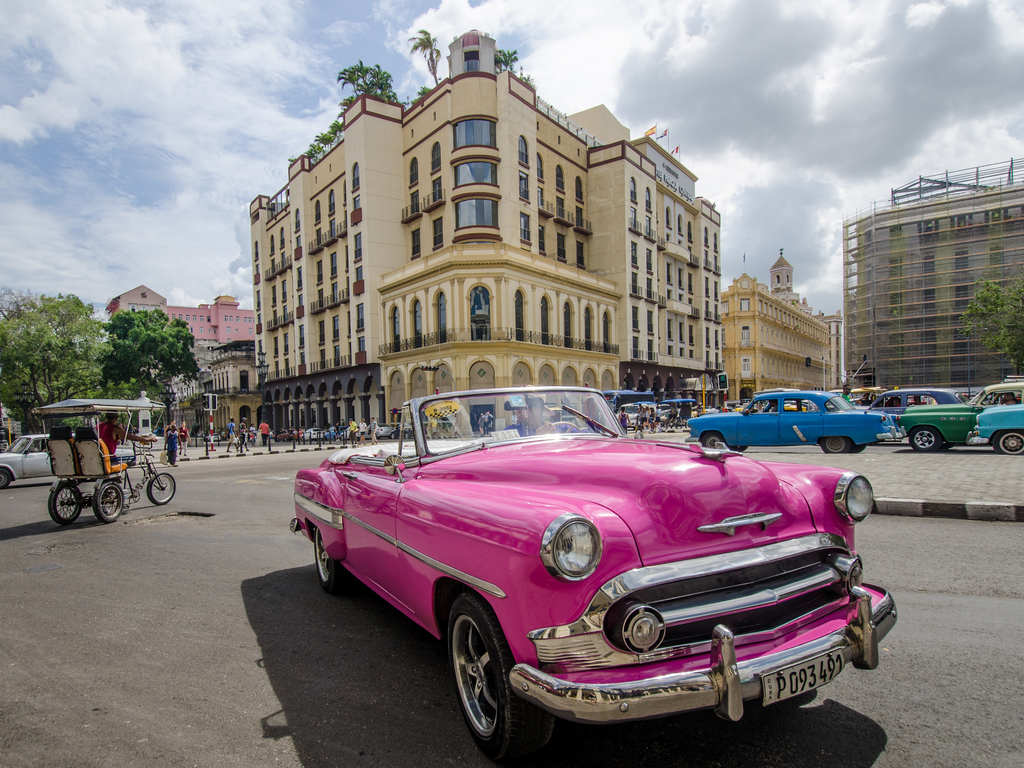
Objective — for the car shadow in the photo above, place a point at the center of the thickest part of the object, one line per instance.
(357, 680)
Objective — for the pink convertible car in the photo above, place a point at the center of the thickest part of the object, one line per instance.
(575, 573)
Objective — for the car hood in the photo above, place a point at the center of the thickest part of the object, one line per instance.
(928, 410)
(664, 493)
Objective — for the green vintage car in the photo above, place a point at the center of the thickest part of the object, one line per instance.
(937, 427)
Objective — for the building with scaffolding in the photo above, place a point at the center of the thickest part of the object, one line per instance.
(910, 268)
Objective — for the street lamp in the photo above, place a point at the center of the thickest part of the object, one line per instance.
(261, 375)
(24, 400)
(168, 398)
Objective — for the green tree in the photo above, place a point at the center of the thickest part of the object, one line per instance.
(51, 345)
(996, 318)
(427, 45)
(505, 60)
(372, 81)
(146, 348)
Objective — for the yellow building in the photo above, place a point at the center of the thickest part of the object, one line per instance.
(481, 237)
(773, 339)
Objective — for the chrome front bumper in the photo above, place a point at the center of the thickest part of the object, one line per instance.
(893, 434)
(724, 686)
(973, 438)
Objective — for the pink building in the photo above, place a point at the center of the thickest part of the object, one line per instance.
(216, 323)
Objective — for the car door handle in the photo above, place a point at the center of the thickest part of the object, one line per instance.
(730, 524)
(349, 475)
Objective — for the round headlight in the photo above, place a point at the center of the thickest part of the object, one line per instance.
(571, 548)
(854, 497)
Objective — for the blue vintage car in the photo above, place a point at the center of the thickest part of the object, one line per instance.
(797, 418)
(1002, 427)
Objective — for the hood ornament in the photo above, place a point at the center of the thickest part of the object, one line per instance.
(730, 524)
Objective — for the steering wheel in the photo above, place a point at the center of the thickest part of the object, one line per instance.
(558, 427)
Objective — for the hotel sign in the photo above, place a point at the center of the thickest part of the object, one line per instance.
(679, 183)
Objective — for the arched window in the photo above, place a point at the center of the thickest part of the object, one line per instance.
(272, 239)
(545, 337)
(396, 328)
(330, 202)
(715, 235)
(689, 231)
(417, 323)
(579, 188)
(524, 152)
(567, 323)
(442, 318)
(520, 323)
(705, 236)
(414, 171)
(435, 158)
(281, 244)
(587, 338)
(559, 178)
(647, 198)
(316, 212)
(298, 220)
(606, 330)
(355, 176)
(255, 251)
(480, 314)
(679, 224)
(668, 217)
(540, 167)
(632, 189)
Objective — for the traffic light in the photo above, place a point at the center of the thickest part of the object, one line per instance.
(807, 362)
(723, 382)
(211, 402)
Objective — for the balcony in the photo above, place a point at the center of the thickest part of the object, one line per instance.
(340, 361)
(411, 212)
(662, 301)
(317, 306)
(694, 260)
(433, 201)
(694, 312)
(649, 233)
(652, 295)
(582, 225)
(545, 209)
(278, 320)
(563, 217)
(709, 315)
(635, 292)
(634, 226)
(336, 298)
(477, 335)
(661, 244)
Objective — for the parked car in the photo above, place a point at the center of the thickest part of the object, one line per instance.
(313, 433)
(937, 427)
(632, 409)
(386, 431)
(287, 435)
(1002, 427)
(796, 418)
(896, 401)
(574, 573)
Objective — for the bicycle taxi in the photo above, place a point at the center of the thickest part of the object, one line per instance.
(87, 475)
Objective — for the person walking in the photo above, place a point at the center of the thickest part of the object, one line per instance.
(243, 435)
(265, 432)
(373, 430)
(171, 444)
(362, 432)
(353, 431)
(231, 434)
(183, 439)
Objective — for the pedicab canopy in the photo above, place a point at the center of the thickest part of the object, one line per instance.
(91, 407)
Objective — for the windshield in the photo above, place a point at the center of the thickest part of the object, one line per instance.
(834, 404)
(20, 445)
(461, 419)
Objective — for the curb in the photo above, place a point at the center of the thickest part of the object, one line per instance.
(951, 510)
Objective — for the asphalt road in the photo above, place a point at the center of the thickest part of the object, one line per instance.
(196, 634)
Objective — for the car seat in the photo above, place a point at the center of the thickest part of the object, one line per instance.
(63, 458)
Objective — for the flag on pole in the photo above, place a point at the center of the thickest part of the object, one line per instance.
(653, 130)
(662, 135)
(675, 151)
(744, 257)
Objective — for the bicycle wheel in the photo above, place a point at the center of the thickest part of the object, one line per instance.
(108, 501)
(160, 489)
(65, 503)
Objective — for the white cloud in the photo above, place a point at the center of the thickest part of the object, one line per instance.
(924, 14)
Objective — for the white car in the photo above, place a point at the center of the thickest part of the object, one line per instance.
(314, 433)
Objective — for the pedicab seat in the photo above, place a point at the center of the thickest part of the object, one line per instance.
(63, 459)
(92, 455)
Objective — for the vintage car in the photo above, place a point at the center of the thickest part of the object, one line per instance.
(792, 417)
(26, 459)
(938, 427)
(573, 573)
(896, 401)
(1002, 427)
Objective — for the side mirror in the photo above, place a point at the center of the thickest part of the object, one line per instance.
(395, 465)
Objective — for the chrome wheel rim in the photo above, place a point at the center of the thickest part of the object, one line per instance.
(835, 444)
(162, 487)
(924, 439)
(473, 675)
(1012, 443)
(323, 562)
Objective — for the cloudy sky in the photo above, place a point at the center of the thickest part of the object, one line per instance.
(133, 135)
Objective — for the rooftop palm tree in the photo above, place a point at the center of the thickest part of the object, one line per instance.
(505, 60)
(427, 45)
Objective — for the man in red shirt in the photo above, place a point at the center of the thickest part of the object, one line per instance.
(264, 431)
(111, 433)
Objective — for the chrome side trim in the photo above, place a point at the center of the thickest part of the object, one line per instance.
(334, 516)
(730, 524)
(337, 521)
(720, 686)
(473, 581)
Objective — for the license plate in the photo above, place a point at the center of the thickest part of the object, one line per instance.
(800, 678)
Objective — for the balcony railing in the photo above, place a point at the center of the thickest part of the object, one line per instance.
(634, 226)
(433, 200)
(545, 209)
(411, 212)
(562, 216)
(649, 233)
(340, 361)
(462, 335)
(581, 224)
(661, 244)
(278, 320)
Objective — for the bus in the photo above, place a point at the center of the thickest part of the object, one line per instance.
(617, 397)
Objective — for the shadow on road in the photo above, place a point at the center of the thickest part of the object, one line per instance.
(356, 679)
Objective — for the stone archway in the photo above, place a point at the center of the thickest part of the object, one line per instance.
(589, 378)
(420, 383)
(569, 376)
(607, 380)
(443, 379)
(521, 376)
(546, 376)
(481, 375)
(627, 382)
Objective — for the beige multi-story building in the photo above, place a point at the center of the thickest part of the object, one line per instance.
(772, 337)
(480, 237)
